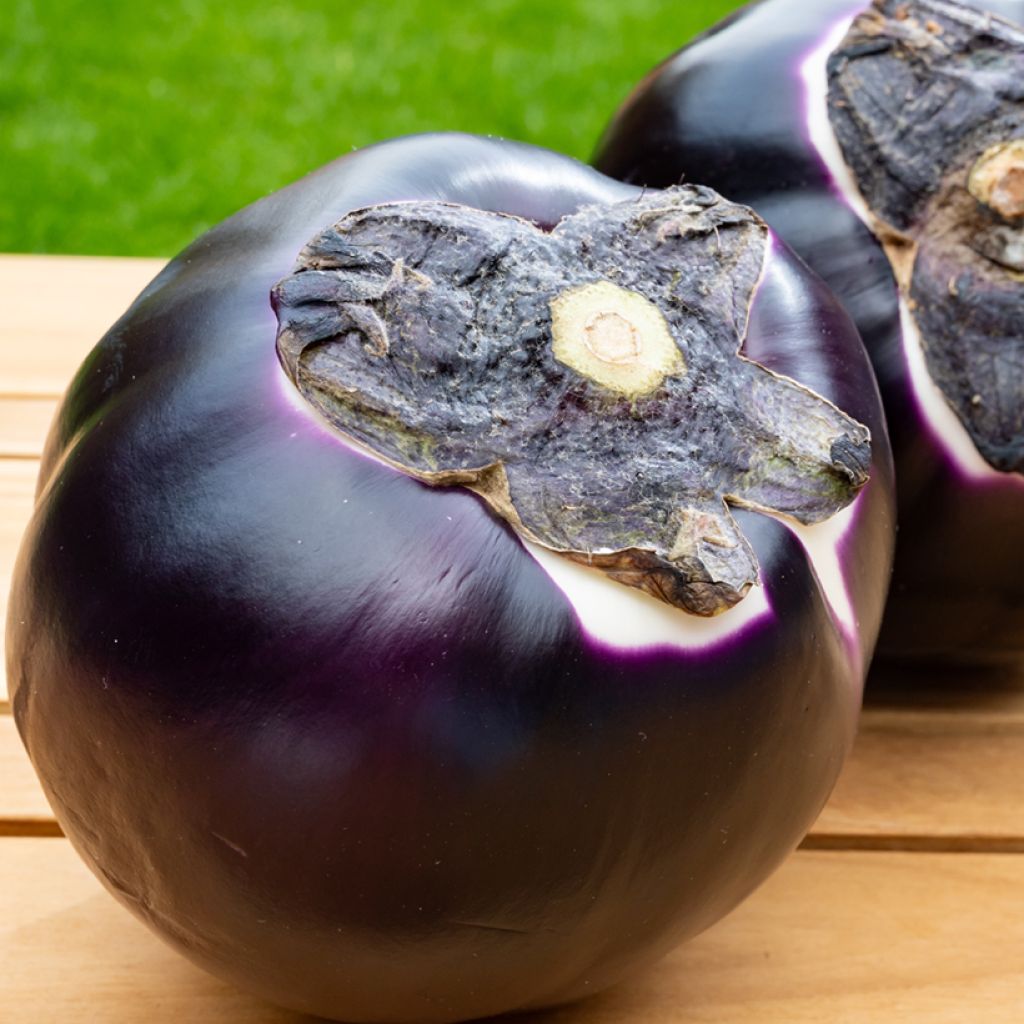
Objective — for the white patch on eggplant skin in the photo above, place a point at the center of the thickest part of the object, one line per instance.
(943, 424)
(626, 618)
(814, 73)
(823, 544)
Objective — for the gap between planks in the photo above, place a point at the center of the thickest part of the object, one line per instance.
(49, 829)
(879, 843)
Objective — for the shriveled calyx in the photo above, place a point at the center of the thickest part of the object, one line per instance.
(585, 382)
(927, 101)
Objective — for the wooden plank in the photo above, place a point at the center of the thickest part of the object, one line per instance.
(72, 955)
(938, 764)
(55, 309)
(840, 937)
(845, 938)
(23, 808)
(23, 425)
(17, 487)
(936, 780)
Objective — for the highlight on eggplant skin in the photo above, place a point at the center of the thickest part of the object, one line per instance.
(751, 108)
(344, 738)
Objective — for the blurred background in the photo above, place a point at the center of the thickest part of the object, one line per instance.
(127, 128)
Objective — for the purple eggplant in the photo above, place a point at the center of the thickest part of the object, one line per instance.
(415, 622)
(871, 138)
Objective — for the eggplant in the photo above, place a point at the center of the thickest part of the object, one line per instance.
(866, 135)
(396, 667)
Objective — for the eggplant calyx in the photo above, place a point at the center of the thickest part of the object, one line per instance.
(585, 382)
(926, 102)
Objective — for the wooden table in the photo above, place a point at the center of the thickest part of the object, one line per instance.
(906, 902)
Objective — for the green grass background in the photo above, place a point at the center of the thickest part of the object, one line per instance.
(128, 127)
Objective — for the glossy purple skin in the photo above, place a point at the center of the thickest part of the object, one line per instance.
(729, 111)
(334, 734)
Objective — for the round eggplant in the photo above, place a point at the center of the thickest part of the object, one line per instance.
(885, 143)
(451, 581)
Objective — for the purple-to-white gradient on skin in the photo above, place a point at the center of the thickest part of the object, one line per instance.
(338, 736)
(742, 109)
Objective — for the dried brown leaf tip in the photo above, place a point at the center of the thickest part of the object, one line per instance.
(585, 382)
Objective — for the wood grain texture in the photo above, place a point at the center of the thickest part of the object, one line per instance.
(55, 309)
(17, 487)
(950, 780)
(23, 425)
(938, 764)
(23, 808)
(841, 938)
